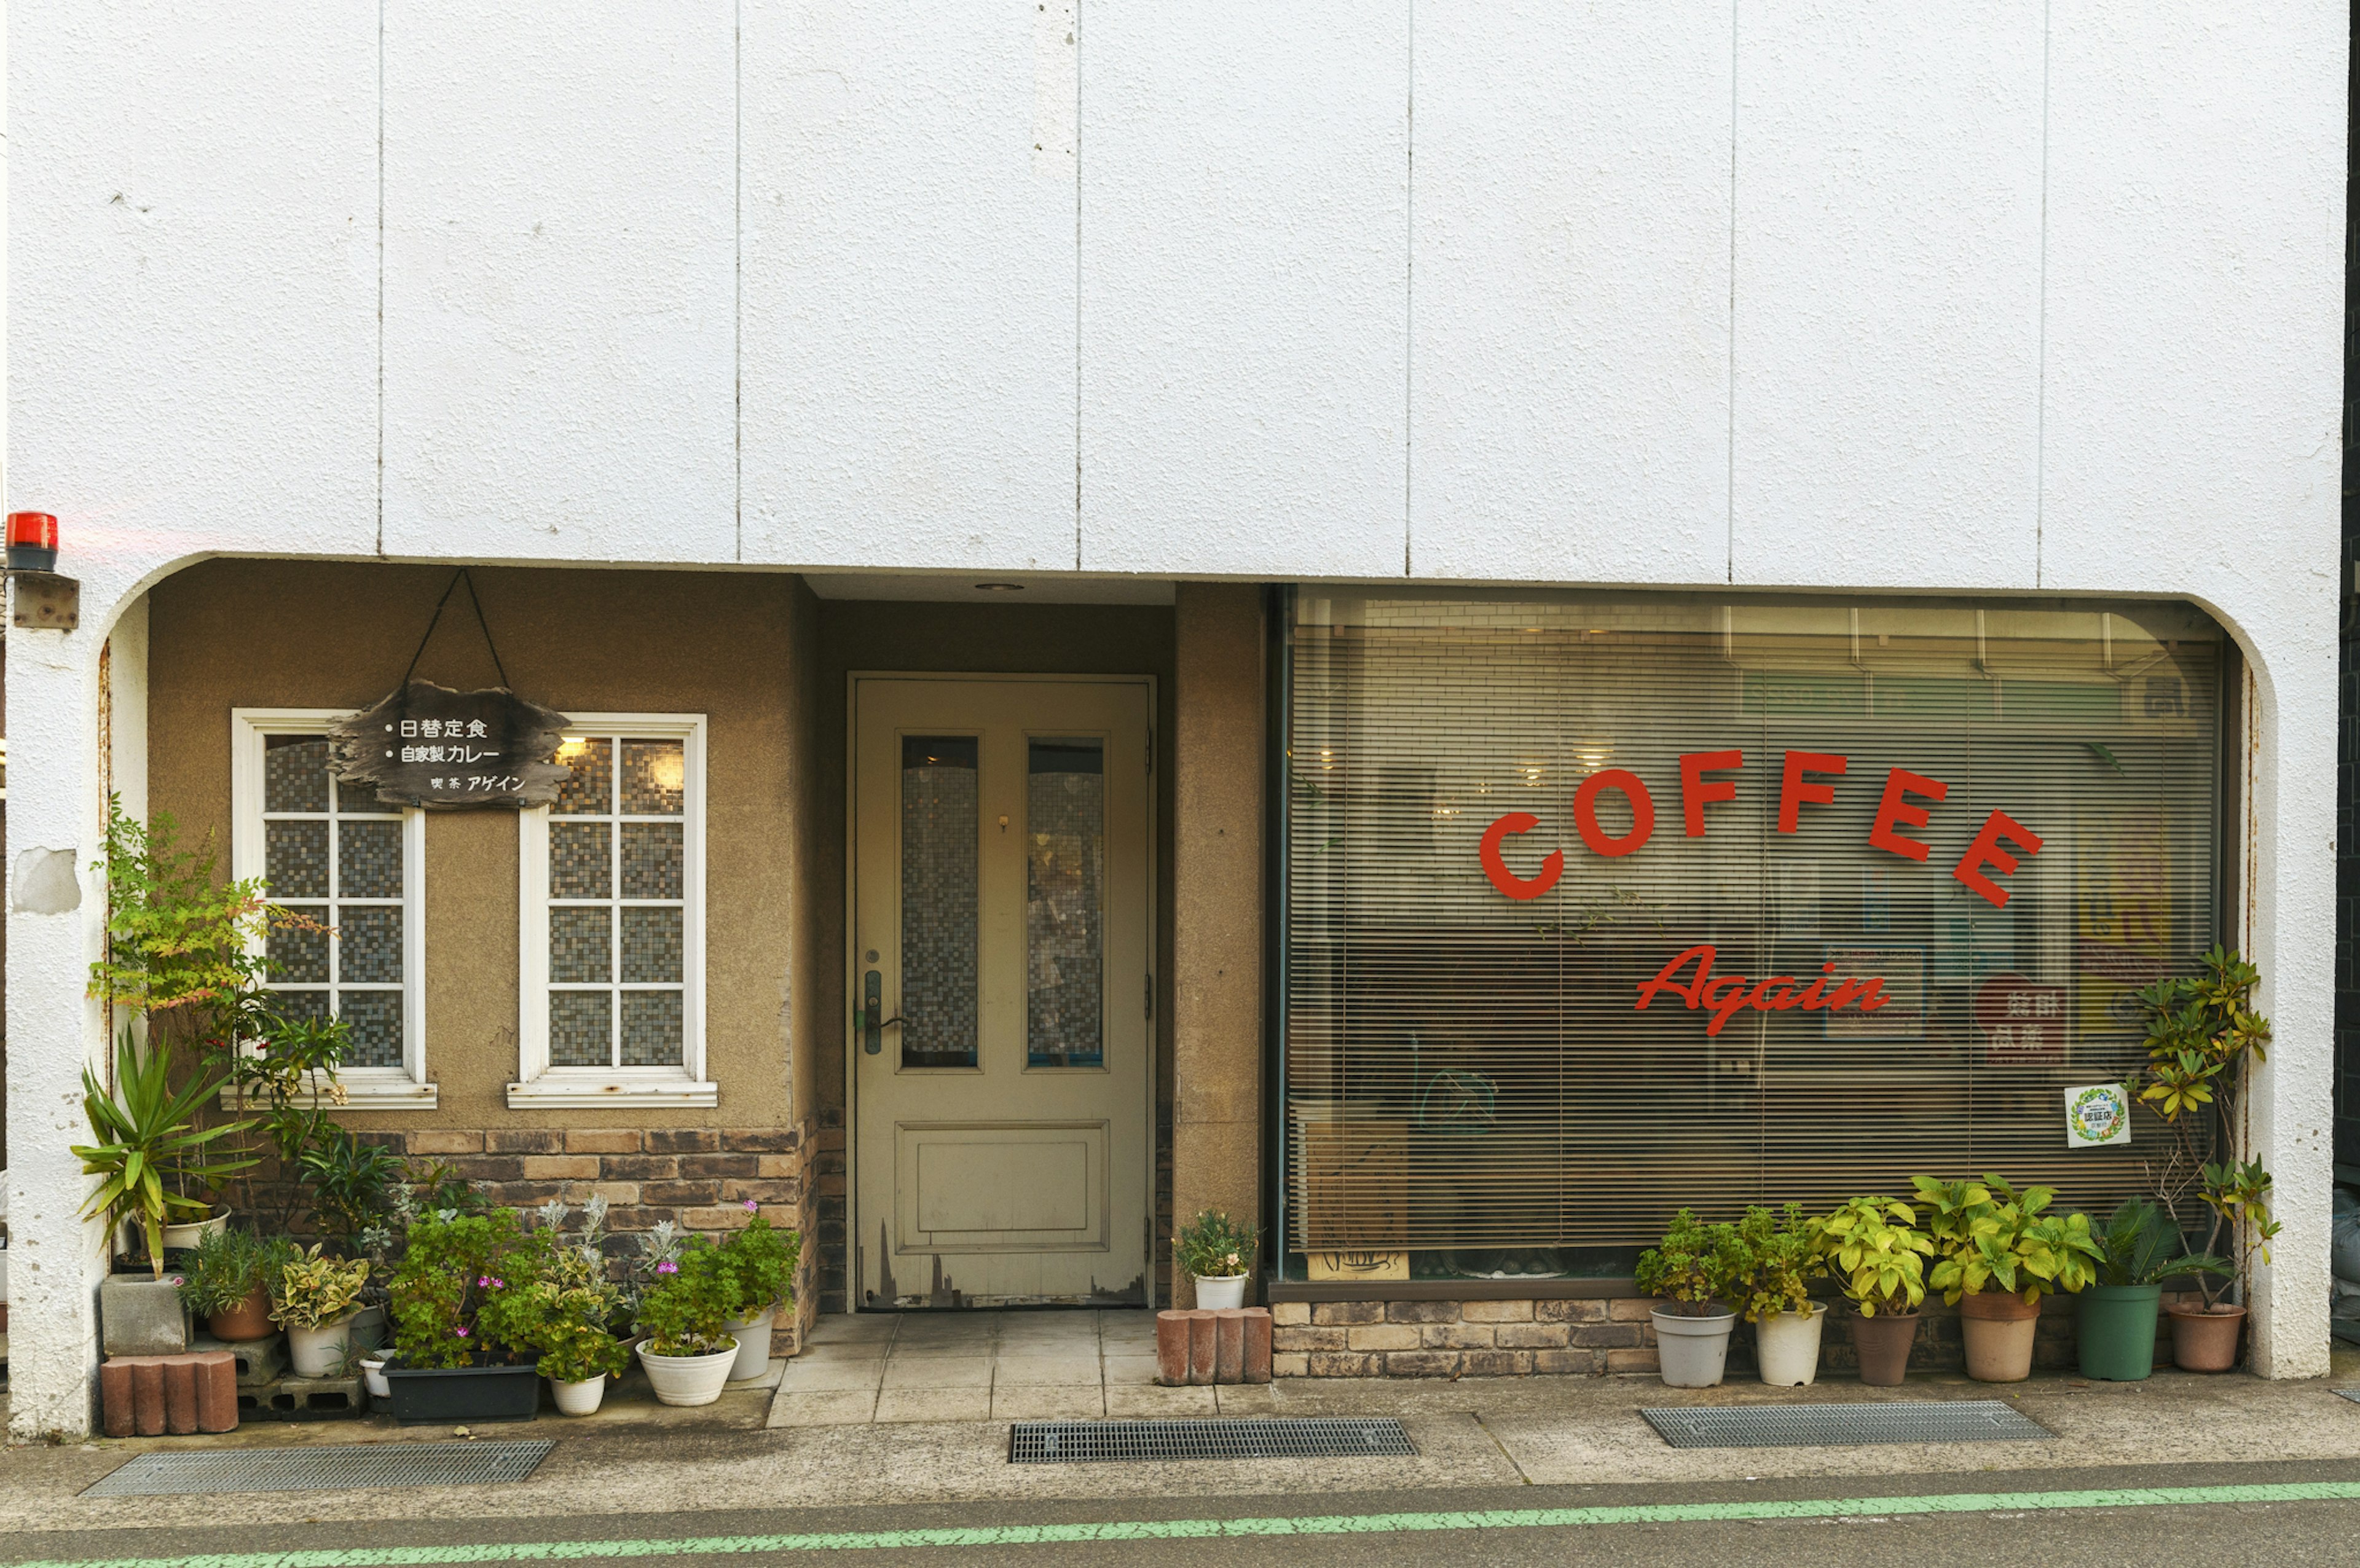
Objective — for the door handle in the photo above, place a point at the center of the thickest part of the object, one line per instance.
(872, 1032)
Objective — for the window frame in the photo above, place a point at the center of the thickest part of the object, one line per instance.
(406, 1087)
(537, 1084)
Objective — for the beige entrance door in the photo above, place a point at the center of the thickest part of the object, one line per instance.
(1001, 992)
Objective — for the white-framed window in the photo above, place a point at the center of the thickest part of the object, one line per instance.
(612, 900)
(354, 867)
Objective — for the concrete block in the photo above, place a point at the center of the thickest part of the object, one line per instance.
(252, 1360)
(1203, 1346)
(141, 1315)
(148, 1396)
(304, 1399)
(115, 1396)
(1229, 1346)
(1257, 1360)
(1172, 1348)
(181, 1395)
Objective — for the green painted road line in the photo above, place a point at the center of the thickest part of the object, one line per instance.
(1206, 1529)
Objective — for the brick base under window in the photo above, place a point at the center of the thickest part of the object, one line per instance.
(698, 1177)
(1591, 1337)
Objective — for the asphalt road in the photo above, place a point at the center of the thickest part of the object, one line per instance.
(1998, 1518)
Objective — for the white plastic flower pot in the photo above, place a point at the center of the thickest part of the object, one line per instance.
(1692, 1352)
(689, 1379)
(753, 1344)
(373, 1373)
(582, 1398)
(1215, 1292)
(1788, 1345)
(318, 1352)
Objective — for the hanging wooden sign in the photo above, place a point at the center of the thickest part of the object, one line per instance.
(429, 745)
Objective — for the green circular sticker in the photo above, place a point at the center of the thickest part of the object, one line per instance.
(2098, 1114)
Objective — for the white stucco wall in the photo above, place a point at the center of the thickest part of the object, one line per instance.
(2006, 298)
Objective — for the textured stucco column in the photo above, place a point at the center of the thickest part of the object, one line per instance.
(56, 918)
(1217, 907)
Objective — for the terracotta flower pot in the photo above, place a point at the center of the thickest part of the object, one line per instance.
(1882, 1345)
(251, 1318)
(1998, 1326)
(2205, 1342)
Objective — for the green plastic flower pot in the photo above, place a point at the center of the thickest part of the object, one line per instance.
(2117, 1331)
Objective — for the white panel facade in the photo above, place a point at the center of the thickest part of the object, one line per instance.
(1886, 372)
(1245, 286)
(192, 289)
(561, 280)
(1570, 309)
(910, 283)
(2195, 250)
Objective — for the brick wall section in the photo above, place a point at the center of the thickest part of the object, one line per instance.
(698, 1177)
(1591, 1337)
(828, 1185)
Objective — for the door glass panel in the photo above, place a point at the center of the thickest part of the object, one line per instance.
(939, 832)
(1064, 903)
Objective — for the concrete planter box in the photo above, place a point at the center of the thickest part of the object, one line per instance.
(141, 1315)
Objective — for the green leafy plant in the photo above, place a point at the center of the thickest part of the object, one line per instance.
(694, 1293)
(350, 1181)
(313, 1291)
(1213, 1245)
(1778, 1258)
(1876, 1253)
(451, 1263)
(2142, 1246)
(1694, 1266)
(2200, 1032)
(150, 1149)
(1988, 1235)
(229, 1266)
(567, 1307)
(763, 1258)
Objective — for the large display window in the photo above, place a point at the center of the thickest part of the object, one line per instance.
(1598, 906)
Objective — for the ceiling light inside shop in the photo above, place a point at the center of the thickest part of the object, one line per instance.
(575, 746)
(1000, 587)
(668, 770)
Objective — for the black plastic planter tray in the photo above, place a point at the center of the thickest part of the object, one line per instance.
(462, 1394)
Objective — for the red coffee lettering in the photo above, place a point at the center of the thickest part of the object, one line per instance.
(1724, 1003)
(1894, 807)
(1689, 993)
(1697, 791)
(1985, 851)
(1496, 868)
(1795, 792)
(1585, 811)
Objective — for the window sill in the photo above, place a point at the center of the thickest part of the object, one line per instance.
(622, 1093)
(393, 1092)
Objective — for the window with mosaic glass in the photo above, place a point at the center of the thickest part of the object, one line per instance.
(343, 865)
(617, 917)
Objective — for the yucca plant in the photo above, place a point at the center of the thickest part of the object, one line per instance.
(150, 1149)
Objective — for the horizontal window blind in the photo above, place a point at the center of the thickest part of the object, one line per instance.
(1468, 1076)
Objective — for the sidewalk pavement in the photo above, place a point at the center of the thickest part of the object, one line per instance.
(1475, 1433)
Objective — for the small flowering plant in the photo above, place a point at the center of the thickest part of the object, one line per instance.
(1214, 1247)
(692, 1294)
(456, 1298)
(763, 1258)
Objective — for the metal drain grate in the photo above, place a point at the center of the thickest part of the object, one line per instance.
(342, 1467)
(1819, 1426)
(2351, 1394)
(1291, 1437)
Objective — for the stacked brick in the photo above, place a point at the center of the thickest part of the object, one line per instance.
(1230, 1345)
(1460, 1339)
(148, 1396)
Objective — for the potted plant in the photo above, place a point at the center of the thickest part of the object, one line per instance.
(2115, 1339)
(315, 1299)
(446, 1368)
(568, 1314)
(2201, 1030)
(150, 1149)
(1772, 1290)
(688, 1352)
(1690, 1270)
(1876, 1253)
(229, 1281)
(763, 1258)
(1999, 1252)
(1218, 1253)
